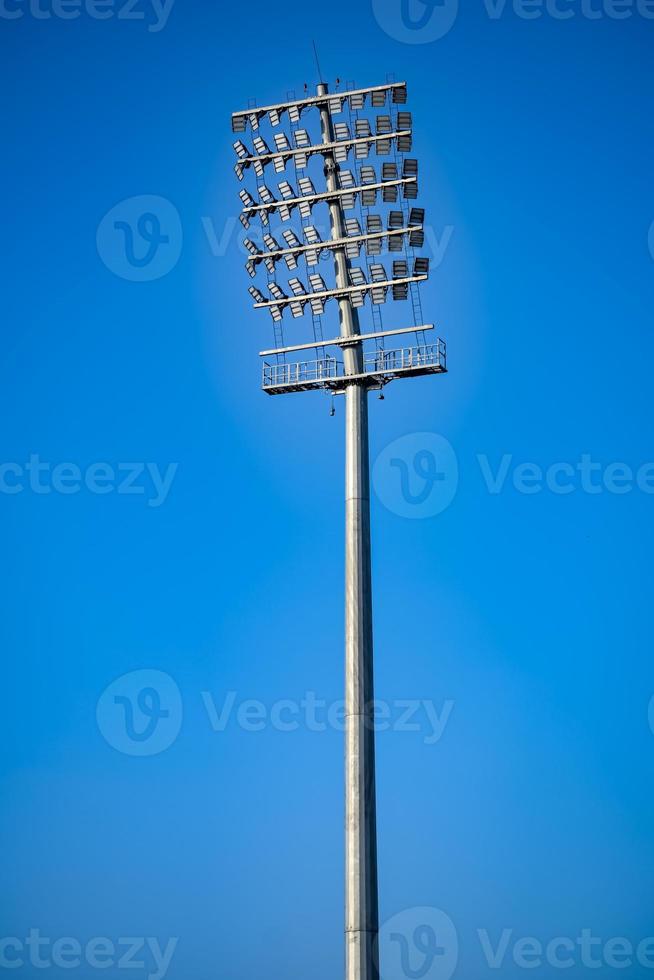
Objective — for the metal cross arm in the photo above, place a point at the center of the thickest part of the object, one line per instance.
(346, 341)
(277, 204)
(342, 291)
(397, 91)
(263, 159)
(331, 244)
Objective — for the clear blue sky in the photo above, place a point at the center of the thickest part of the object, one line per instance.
(530, 612)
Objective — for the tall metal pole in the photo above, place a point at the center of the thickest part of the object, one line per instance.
(361, 891)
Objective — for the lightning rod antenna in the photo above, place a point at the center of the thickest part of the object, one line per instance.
(315, 54)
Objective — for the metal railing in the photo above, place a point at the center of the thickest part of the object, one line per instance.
(301, 372)
(404, 358)
(376, 362)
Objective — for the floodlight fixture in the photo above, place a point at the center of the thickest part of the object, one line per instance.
(374, 238)
(334, 103)
(307, 197)
(353, 124)
(256, 294)
(340, 147)
(359, 289)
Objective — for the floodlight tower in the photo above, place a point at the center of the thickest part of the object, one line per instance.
(359, 372)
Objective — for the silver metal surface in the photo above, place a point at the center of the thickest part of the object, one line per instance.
(343, 341)
(361, 888)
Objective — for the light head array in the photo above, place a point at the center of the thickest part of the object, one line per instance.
(394, 239)
(360, 143)
(360, 287)
(305, 198)
(379, 96)
(359, 182)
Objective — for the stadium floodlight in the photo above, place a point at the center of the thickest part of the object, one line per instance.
(281, 141)
(362, 131)
(417, 233)
(342, 134)
(373, 239)
(357, 278)
(344, 145)
(276, 291)
(307, 200)
(334, 102)
(286, 190)
(358, 290)
(261, 146)
(353, 232)
(400, 275)
(341, 148)
(378, 275)
(375, 226)
(266, 195)
(256, 294)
